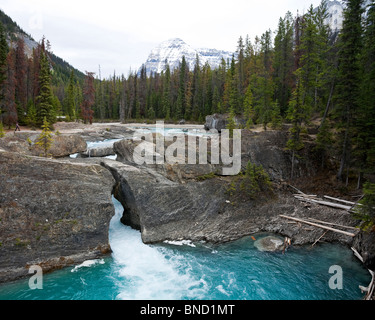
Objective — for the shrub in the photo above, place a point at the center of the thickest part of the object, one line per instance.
(366, 210)
(251, 183)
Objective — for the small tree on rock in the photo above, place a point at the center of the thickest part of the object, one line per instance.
(45, 140)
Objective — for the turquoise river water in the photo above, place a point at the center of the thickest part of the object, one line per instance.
(199, 271)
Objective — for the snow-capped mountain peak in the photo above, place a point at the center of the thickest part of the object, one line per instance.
(172, 51)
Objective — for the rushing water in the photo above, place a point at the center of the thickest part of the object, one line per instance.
(185, 270)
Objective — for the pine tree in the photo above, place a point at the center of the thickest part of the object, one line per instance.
(297, 115)
(216, 101)
(324, 140)
(363, 141)
(196, 89)
(283, 62)
(44, 100)
(248, 107)
(325, 71)
(348, 88)
(20, 78)
(70, 98)
(10, 109)
(3, 67)
(45, 139)
(255, 180)
(276, 118)
(181, 99)
(88, 98)
(31, 118)
(234, 97)
(151, 113)
(166, 94)
(241, 66)
(231, 122)
(263, 85)
(35, 68)
(308, 56)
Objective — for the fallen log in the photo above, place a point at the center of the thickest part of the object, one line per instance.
(325, 203)
(299, 191)
(319, 225)
(340, 200)
(305, 195)
(333, 224)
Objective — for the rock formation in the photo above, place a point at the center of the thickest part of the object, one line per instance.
(52, 213)
(62, 145)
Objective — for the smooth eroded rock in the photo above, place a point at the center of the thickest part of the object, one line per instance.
(51, 210)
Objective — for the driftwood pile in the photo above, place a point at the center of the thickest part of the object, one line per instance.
(328, 226)
(345, 205)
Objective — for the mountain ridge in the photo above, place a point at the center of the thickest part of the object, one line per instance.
(13, 32)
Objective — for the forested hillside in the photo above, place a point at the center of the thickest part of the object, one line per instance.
(23, 62)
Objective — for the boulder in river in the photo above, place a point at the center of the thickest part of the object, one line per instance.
(269, 243)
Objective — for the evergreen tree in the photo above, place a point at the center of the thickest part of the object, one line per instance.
(31, 119)
(263, 85)
(324, 141)
(44, 100)
(88, 98)
(10, 109)
(35, 71)
(325, 70)
(234, 97)
(20, 79)
(216, 108)
(231, 123)
(297, 115)
(283, 62)
(255, 180)
(70, 100)
(166, 94)
(363, 152)
(45, 139)
(276, 118)
(196, 89)
(78, 98)
(3, 67)
(308, 56)
(248, 108)
(188, 98)
(151, 113)
(241, 66)
(181, 99)
(348, 88)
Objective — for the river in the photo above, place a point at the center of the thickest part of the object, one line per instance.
(194, 271)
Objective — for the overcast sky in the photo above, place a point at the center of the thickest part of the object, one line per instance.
(119, 35)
